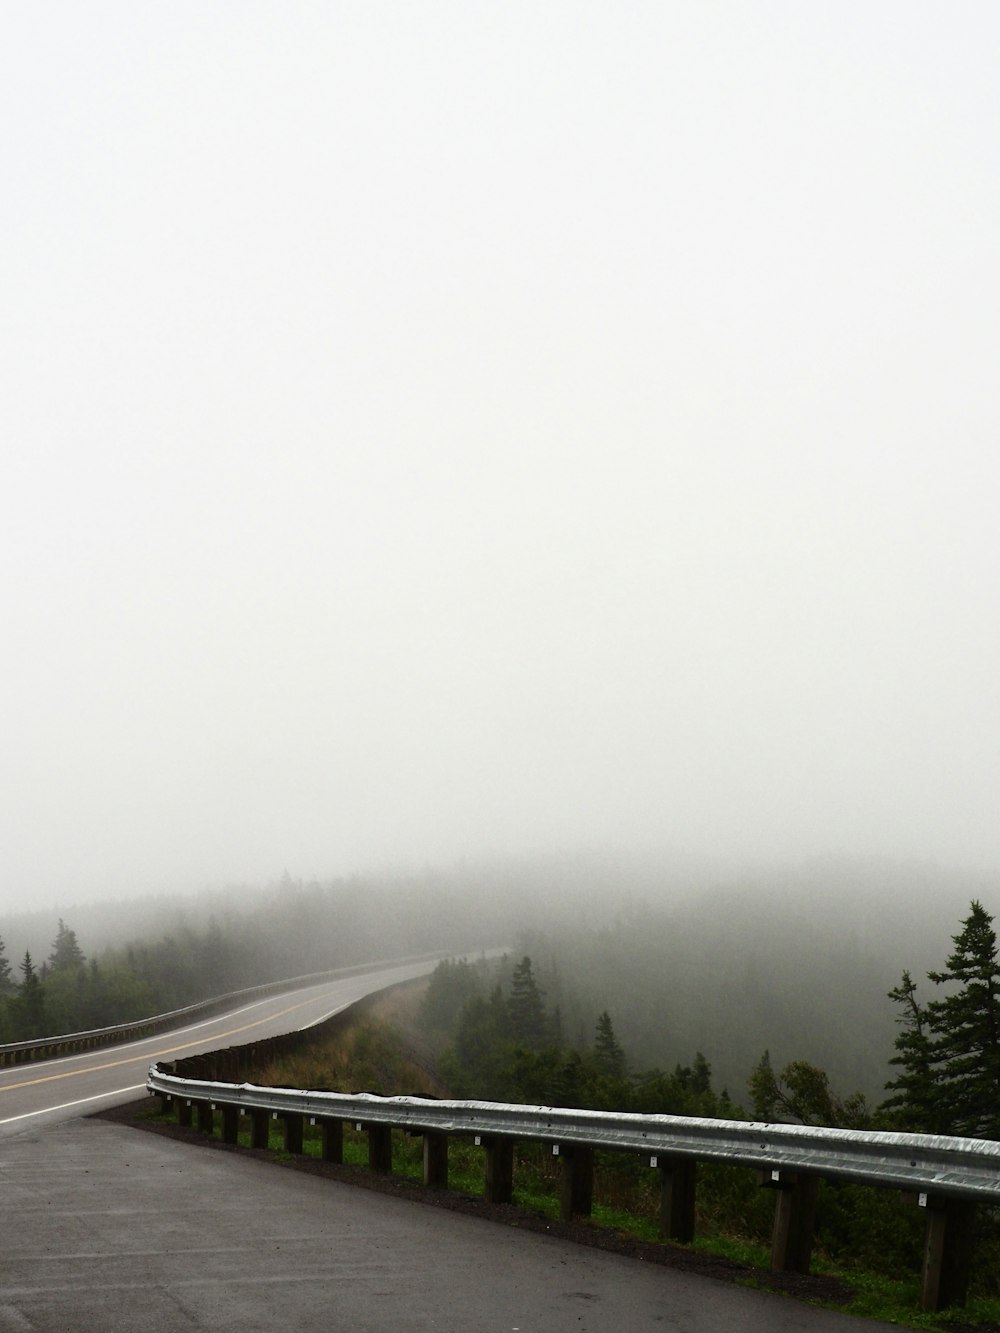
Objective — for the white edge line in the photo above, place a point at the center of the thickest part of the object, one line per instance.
(157, 1036)
(67, 1106)
(323, 1017)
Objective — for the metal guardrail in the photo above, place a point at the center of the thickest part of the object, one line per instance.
(36, 1048)
(946, 1176)
(932, 1164)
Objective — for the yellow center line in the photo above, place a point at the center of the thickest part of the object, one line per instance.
(153, 1055)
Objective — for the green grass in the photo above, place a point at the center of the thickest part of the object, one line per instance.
(737, 1248)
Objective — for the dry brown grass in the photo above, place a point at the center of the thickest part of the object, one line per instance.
(382, 1052)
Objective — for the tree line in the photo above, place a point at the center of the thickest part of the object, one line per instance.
(947, 1053)
(505, 1044)
(66, 993)
(503, 1041)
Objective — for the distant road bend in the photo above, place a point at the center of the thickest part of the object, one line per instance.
(47, 1091)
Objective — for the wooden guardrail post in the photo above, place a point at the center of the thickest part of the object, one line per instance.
(230, 1124)
(380, 1148)
(184, 1112)
(293, 1133)
(206, 1117)
(332, 1135)
(260, 1128)
(678, 1179)
(948, 1238)
(499, 1170)
(794, 1219)
(436, 1161)
(576, 1186)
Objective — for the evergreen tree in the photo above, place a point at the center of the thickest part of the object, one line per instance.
(28, 973)
(30, 1000)
(915, 1103)
(476, 1066)
(66, 952)
(453, 983)
(571, 1081)
(608, 1054)
(556, 1028)
(966, 1027)
(687, 1091)
(701, 1075)
(526, 1006)
(763, 1089)
(7, 983)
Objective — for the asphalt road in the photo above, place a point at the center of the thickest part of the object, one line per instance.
(106, 1228)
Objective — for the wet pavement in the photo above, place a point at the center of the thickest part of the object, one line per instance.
(108, 1228)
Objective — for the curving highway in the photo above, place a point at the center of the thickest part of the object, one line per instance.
(46, 1091)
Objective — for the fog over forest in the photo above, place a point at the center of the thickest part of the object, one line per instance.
(798, 963)
(462, 436)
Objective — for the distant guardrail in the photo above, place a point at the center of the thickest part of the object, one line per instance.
(71, 1043)
(946, 1176)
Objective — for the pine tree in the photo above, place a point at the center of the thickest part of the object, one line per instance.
(453, 983)
(556, 1028)
(477, 1064)
(763, 1089)
(915, 1103)
(66, 952)
(7, 983)
(966, 1027)
(526, 1006)
(701, 1075)
(608, 1055)
(30, 999)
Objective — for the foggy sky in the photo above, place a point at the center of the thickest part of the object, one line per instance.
(455, 429)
